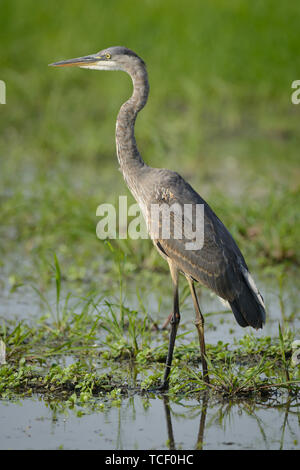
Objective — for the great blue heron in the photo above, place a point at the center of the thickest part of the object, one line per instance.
(219, 264)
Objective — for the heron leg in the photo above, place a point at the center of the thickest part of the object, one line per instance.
(174, 326)
(199, 323)
(167, 321)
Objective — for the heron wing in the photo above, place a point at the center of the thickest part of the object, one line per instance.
(217, 263)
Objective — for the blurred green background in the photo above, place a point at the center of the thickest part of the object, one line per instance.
(219, 112)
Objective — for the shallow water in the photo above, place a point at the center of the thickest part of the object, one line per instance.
(32, 425)
(150, 422)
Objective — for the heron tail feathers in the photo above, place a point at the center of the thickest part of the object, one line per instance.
(248, 307)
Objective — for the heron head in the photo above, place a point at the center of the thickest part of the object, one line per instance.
(112, 58)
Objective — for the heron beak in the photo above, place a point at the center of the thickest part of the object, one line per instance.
(78, 62)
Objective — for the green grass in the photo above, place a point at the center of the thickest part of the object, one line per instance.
(104, 353)
(100, 335)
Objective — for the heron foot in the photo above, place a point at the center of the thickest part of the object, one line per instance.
(163, 387)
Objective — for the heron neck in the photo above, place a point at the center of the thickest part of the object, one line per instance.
(128, 155)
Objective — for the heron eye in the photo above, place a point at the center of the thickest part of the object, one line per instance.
(108, 56)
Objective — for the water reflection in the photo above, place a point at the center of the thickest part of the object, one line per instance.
(153, 423)
(225, 416)
(171, 440)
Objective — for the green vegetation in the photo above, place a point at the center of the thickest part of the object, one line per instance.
(98, 336)
(110, 360)
(219, 112)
